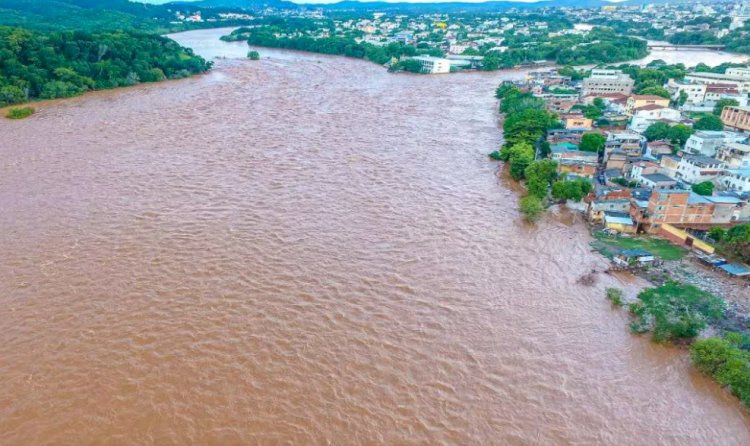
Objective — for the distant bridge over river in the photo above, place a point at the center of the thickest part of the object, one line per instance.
(669, 46)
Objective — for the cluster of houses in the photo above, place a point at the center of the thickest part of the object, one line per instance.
(646, 186)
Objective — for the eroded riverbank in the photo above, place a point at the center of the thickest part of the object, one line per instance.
(307, 249)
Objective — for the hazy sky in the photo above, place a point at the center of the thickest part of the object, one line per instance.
(334, 1)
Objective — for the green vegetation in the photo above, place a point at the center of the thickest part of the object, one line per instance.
(410, 65)
(656, 91)
(539, 176)
(735, 242)
(725, 102)
(677, 134)
(531, 207)
(496, 155)
(312, 36)
(571, 189)
(63, 64)
(610, 245)
(601, 45)
(727, 361)
(708, 122)
(674, 311)
(253, 55)
(592, 142)
(20, 112)
(615, 296)
(705, 188)
(520, 155)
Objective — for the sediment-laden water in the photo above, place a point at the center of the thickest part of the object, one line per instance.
(309, 250)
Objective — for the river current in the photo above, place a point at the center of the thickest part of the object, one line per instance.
(310, 250)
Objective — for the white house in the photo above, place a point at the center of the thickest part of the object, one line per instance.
(697, 168)
(737, 180)
(734, 155)
(704, 142)
(645, 116)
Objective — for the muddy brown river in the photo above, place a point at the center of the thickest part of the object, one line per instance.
(309, 250)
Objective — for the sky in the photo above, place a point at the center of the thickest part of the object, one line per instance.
(335, 1)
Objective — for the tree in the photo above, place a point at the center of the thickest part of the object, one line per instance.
(679, 134)
(656, 91)
(592, 142)
(519, 155)
(656, 131)
(571, 189)
(705, 188)
(736, 242)
(717, 233)
(526, 125)
(531, 207)
(709, 122)
(253, 55)
(683, 98)
(725, 102)
(539, 175)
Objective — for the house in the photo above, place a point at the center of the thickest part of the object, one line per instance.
(734, 155)
(704, 142)
(615, 159)
(620, 222)
(645, 116)
(578, 122)
(597, 208)
(658, 181)
(634, 257)
(630, 142)
(737, 180)
(569, 151)
(669, 164)
(659, 148)
(640, 168)
(697, 168)
(577, 167)
(638, 101)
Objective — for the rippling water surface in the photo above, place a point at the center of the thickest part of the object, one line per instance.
(309, 250)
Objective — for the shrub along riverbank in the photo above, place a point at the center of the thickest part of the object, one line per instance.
(679, 313)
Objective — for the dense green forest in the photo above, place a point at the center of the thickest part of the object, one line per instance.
(601, 45)
(89, 15)
(35, 65)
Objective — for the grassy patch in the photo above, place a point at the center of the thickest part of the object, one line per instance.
(615, 296)
(609, 245)
(20, 113)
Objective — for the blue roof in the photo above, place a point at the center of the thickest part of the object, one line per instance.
(735, 269)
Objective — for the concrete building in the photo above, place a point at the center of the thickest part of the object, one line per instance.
(736, 118)
(695, 92)
(704, 142)
(734, 155)
(697, 169)
(434, 65)
(736, 180)
(607, 82)
(742, 83)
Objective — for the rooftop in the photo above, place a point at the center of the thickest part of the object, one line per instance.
(658, 178)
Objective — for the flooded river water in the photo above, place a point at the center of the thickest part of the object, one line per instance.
(309, 250)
